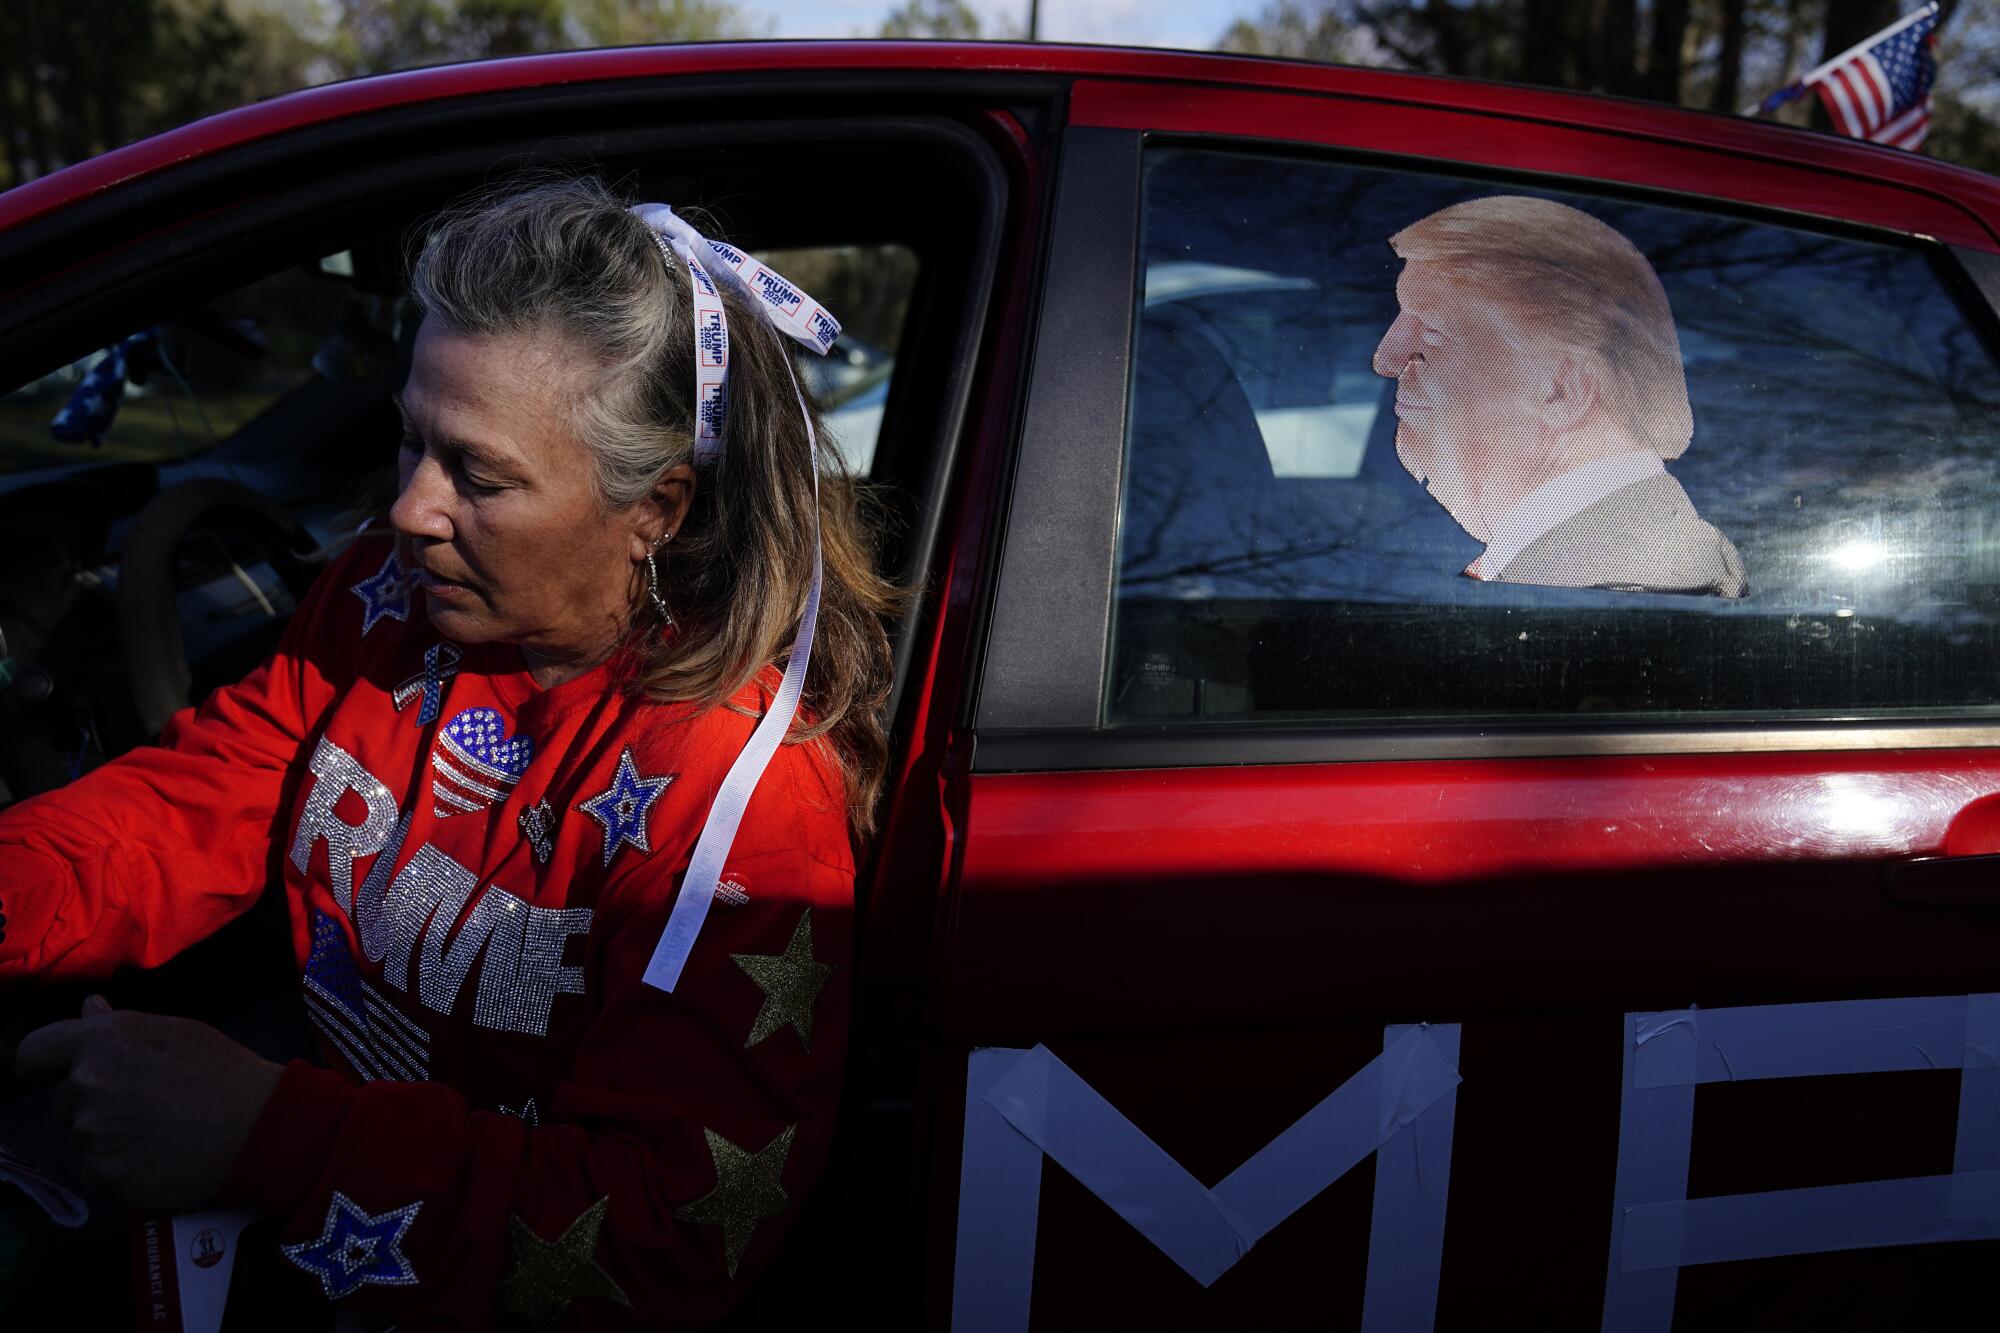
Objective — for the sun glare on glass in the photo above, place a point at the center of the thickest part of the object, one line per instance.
(1859, 555)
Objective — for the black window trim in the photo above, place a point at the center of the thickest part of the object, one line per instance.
(1048, 646)
(1239, 745)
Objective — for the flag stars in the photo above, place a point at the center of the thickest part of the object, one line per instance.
(1881, 89)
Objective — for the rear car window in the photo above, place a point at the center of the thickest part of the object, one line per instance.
(1551, 455)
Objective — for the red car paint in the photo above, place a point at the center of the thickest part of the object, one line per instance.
(1213, 88)
(1216, 948)
(1700, 155)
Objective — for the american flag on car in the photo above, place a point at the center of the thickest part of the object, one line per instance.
(1882, 92)
(1878, 89)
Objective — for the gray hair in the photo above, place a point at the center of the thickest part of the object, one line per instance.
(564, 256)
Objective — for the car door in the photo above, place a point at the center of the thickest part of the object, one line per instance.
(1340, 930)
(935, 283)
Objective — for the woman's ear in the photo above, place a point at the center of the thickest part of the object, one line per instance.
(663, 510)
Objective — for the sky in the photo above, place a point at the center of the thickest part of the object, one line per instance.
(1187, 23)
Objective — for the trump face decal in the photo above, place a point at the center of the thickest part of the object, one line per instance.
(1540, 395)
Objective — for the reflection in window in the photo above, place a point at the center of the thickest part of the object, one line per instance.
(189, 382)
(1278, 560)
(867, 287)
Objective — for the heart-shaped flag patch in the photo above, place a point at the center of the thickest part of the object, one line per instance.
(476, 763)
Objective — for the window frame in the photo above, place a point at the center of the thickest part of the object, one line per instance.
(1044, 677)
(135, 253)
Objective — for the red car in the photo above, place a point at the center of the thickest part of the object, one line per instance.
(1449, 766)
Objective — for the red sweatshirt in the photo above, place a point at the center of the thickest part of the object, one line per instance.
(515, 1129)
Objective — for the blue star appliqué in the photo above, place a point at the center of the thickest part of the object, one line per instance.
(386, 592)
(356, 1249)
(623, 806)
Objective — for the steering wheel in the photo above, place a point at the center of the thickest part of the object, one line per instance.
(149, 624)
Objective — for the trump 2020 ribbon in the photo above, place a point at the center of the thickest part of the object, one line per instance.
(799, 317)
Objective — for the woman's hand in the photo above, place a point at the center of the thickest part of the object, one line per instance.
(159, 1106)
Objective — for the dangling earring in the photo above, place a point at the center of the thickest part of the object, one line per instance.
(653, 578)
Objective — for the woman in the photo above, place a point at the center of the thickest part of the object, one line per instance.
(481, 761)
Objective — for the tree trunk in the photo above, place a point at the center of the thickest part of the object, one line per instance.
(37, 101)
(1728, 88)
(1543, 48)
(16, 94)
(14, 97)
(73, 132)
(1794, 38)
(1453, 50)
(1663, 66)
(1617, 47)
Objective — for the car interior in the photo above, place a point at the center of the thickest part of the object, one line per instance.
(132, 582)
(96, 554)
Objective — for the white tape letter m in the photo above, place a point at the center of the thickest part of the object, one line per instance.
(1023, 1105)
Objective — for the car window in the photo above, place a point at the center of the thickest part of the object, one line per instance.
(1549, 455)
(867, 287)
(174, 390)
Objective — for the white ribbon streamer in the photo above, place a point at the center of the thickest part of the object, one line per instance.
(790, 310)
(711, 363)
(798, 316)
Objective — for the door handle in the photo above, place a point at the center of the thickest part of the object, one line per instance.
(1944, 881)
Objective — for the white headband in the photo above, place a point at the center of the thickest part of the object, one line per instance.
(797, 316)
(786, 308)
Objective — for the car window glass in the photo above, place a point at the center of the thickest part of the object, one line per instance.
(177, 389)
(1742, 468)
(867, 287)
(174, 391)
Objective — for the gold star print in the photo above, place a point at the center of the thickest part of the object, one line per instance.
(544, 1278)
(791, 981)
(746, 1191)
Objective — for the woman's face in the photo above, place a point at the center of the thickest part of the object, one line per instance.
(497, 509)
